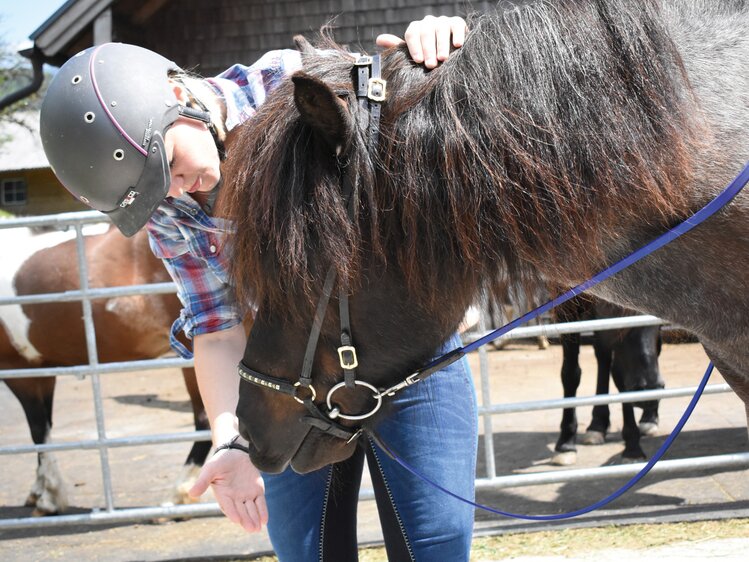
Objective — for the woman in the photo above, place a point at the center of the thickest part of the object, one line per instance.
(129, 134)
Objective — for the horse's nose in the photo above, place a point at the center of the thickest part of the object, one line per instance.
(243, 431)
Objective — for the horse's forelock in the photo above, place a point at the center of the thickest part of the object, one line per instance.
(284, 196)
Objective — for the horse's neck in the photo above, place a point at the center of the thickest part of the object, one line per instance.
(712, 39)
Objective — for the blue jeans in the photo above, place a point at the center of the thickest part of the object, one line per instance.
(433, 427)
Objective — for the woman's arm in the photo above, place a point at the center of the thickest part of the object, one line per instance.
(237, 484)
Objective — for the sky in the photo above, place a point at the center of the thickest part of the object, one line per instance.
(18, 18)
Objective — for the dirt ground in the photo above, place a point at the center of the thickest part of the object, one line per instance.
(156, 402)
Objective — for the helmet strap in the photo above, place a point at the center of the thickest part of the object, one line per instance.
(197, 114)
(201, 113)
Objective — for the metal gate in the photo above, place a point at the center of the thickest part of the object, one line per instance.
(109, 513)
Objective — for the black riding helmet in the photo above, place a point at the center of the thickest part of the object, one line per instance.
(103, 123)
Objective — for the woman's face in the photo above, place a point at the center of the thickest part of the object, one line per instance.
(193, 157)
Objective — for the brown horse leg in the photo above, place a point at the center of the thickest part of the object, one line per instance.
(48, 495)
(200, 449)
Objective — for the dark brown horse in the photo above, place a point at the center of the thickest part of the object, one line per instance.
(561, 137)
(52, 335)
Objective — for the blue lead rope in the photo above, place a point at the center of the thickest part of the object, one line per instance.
(720, 201)
(588, 509)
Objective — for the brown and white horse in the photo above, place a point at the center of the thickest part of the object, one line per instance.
(52, 335)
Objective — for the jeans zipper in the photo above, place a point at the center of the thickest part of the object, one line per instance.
(324, 514)
(392, 503)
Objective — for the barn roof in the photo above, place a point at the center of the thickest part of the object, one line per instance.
(68, 22)
(20, 144)
(208, 36)
(71, 28)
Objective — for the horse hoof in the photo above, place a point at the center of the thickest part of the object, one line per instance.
(180, 494)
(648, 429)
(39, 512)
(31, 500)
(568, 458)
(632, 460)
(186, 480)
(593, 438)
(543, 342)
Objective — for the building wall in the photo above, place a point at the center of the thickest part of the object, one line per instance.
(209, 36)
(45, 195)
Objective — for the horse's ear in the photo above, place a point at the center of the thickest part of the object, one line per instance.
(302, 45)
(322, 109)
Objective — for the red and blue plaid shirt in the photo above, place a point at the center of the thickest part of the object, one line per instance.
(192, 244)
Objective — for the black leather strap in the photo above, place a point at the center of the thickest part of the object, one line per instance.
(260, 379)
(305, 379)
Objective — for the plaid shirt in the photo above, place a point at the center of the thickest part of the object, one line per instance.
(192, 244)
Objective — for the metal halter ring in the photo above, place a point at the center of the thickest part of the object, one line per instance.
(335, 411)
(311, 389)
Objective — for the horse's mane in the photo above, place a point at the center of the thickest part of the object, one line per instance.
(554, 122)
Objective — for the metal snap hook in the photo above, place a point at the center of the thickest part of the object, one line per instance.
(336, 411)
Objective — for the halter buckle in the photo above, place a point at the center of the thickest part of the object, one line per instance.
(377, 89)
(347, 357)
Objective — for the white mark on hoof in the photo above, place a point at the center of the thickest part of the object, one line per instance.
(186, 480)
(49, 489)
(593, 438)
(179, 494)
(648, 429)
(568, 458)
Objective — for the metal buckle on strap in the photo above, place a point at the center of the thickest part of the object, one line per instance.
(363, 61)
(347, 357)
(377, 89)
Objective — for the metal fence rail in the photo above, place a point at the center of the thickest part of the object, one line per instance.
(110, 514)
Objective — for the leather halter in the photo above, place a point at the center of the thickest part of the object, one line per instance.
(370, 92)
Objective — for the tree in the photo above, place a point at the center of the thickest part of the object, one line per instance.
(15, 73)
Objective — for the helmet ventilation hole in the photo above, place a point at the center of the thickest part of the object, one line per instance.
(119, 154)
(89, 117)
(76, 79)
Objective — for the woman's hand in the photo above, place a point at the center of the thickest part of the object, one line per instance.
(429, 40)
(238, 488)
